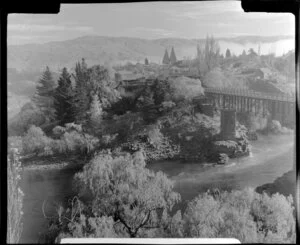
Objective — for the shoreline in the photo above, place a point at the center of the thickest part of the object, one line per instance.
(45, 164)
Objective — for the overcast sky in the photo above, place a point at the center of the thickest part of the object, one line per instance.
(150, 20)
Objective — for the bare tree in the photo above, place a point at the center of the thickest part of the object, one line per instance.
(211, 52)
(208, 55)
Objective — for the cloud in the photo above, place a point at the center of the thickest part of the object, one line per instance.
(46, 28)
(152, 31)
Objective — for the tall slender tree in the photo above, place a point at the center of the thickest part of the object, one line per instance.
(95, 112)
(166, 59)
(64, 98)
(81, 97)
(211, 52)
(173, 58)
(44, 95)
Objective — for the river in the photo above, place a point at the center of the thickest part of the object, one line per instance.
(271, 157)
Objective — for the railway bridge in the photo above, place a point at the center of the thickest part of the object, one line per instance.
(279, 107)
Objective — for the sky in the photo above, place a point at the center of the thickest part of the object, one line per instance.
(149, 20)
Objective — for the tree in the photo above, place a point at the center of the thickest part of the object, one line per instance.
(166, 59)
(208, 55)
(95, 112)
(146, 62)
(103, 85)
(81, 98)
(64, 98)
(121, 187)
(29, 115)
(251, 52)
(35, 141)
(245, 215)
(228, 54)
(185, 88)
(43, 96)
(161, 91)
(173, 58)
(211, 52)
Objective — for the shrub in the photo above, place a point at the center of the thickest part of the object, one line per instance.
(29, 115)
(15, 142)
(155, 145)
(186, 88)
(35, 141)
(245, 215)
(73, 139)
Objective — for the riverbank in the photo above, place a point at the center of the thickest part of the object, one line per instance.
(271, 157)
(285, 185)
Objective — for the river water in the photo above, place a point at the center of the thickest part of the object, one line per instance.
(271, 157)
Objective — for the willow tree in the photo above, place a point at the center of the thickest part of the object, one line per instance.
(123, 188)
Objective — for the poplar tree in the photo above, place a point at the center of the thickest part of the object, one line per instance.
(81, 99)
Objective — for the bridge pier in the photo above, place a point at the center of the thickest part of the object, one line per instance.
(228, 123)
(278, 107)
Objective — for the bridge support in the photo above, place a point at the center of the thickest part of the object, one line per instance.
(228, 123)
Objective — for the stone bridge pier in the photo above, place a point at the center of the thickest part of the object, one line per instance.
(280, 107)
(228, 123)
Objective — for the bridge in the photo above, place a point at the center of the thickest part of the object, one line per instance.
(280, 107)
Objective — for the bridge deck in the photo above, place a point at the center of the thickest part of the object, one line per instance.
(251, 94)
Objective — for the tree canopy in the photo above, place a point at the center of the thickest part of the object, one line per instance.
(123, 188)
(43, 96)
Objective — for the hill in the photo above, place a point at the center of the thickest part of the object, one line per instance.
(99, 49)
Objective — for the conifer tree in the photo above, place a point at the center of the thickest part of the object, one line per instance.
(43, 97)
(64, 98)
(166, 59)
(146, 61)
(81, 99)
(173, 58)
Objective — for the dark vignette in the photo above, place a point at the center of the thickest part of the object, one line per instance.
(53, 7)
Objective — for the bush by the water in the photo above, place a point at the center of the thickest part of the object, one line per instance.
(120, 190)
(245, 215)
(121, 198)
(275, 127)
(68, 139)
(153, 142)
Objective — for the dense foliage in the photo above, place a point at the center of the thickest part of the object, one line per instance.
(68, 139)
(90, 112)
(15, 197)
(119, 197)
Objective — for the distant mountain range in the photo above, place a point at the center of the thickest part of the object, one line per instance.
(114, 50)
